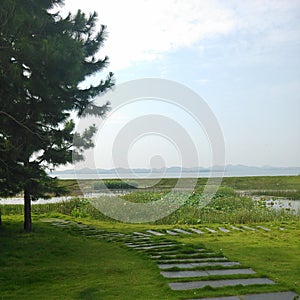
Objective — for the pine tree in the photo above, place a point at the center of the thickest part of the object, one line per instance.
(43, 59)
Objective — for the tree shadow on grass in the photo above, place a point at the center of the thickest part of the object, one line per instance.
(89, 294)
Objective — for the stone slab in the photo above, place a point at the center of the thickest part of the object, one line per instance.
(178, 286)
(187, 255)
(183, 274)
(166, 252)
(155, 232)
(262, 296)
(249, 228)
(186, 274)
(220, 298)
(236, 228)
(171, 232)
(264, 228)
(181, 231)
(167, 261)
(141, 234)
(196, 230)
(153, 247)
(231, 272)
(223, 229)
(210, 230)
(200, 264)
(271, 296)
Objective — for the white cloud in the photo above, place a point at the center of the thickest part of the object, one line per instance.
(143, 30)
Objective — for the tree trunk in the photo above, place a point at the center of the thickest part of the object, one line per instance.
(27, 211)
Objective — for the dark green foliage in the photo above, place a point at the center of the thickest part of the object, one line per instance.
(43, 59)
(115, 185)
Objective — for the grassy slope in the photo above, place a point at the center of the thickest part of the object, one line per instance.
(274, 254)
(51, 264)
(58, 265)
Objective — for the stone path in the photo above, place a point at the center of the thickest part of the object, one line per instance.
(186, 267)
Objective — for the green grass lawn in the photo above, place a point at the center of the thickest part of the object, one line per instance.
(53, 263)
(275, 254)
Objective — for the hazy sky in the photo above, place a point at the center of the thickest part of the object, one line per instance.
(241, 57)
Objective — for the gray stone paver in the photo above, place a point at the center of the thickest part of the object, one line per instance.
(141, 233)
(236, 228)
(187, 255)
(220, 298)
(181, 231)
(167, 261)
(223, 229)
(231, 272)
(137, 245)
(249, 228)
(271, 296)
(141, 241)
(200, 264)
(155, 232)
(196, 230)
(260, 296)
(171, 232)
(154, 247)
(210, 230)
(264, 228)
(218, 283)
(187, 274)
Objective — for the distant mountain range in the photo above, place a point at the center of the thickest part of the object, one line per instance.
(239, 169)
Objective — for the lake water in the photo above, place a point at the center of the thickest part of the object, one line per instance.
(204, 174)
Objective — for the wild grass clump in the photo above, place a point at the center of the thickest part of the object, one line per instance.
(114, 185)
(225, 206)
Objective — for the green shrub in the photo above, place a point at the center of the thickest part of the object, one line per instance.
(115, 184)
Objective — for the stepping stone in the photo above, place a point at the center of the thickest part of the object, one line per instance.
(167, 261)
(223, 229)
(141, 243)
(141, 234)
(166, 252)
(262, 296)
(236, 228)
(187, 255)
(177, 286)
(94, 236)
(155, 232)
(264, 228)
(196, 230)
(186, 274)
(181, 231)
(210, 230)
(171, 232)
(153, 247)
(200, 264)
(155, 256)
(183, 274)
(231, 272)
(271, 296)
(137, 245)
(249, 228)
(220, 298)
